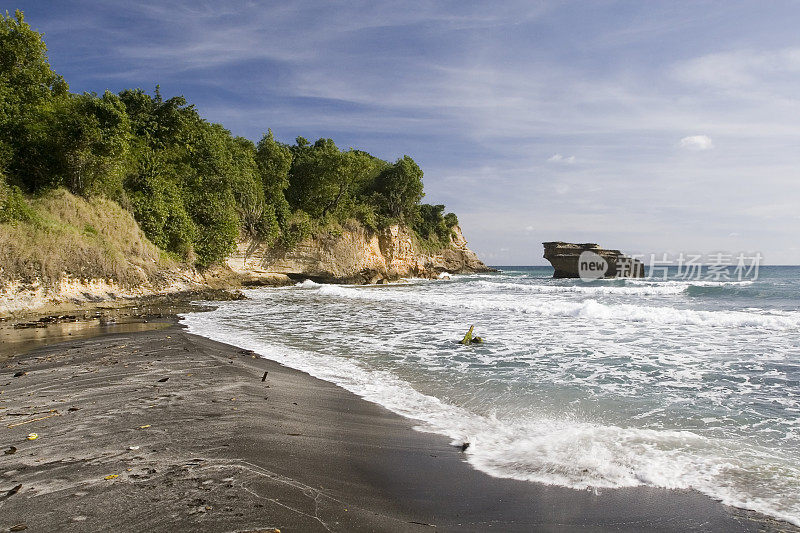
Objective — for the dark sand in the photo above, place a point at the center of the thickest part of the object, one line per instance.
(213, 448)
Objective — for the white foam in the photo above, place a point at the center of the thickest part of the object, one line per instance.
(586, 289)
(564, 452)
(589, 309)
(307, 284)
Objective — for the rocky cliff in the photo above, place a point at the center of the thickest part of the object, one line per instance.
(589, 261)
(357, 255)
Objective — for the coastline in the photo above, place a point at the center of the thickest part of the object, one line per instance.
(223, 451)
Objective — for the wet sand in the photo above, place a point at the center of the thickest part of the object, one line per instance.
(215, 448)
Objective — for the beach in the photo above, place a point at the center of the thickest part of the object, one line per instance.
(162, 430)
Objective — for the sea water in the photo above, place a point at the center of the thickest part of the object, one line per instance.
(612, 383)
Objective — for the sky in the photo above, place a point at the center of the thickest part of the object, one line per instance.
(652, 127)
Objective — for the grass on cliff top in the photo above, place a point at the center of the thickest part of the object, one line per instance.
(62, 234)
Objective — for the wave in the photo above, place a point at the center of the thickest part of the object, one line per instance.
(561, 452)
(585, 289)
(620, 287)
(589, 309)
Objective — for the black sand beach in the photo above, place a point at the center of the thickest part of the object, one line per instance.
(161, 430)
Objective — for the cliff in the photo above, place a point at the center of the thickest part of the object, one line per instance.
(590, 261)
(74, 253)
(357, 255)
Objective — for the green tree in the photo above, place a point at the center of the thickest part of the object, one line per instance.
(324, 179)
(155, 196)
(274, 160)
(27, 85)
(90, 142)
(318, 177)
(400, 189)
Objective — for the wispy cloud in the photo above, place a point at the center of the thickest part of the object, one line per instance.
(697, 142)
(558, 158)
(564, 117)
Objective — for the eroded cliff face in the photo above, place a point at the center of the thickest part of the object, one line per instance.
(355, 256)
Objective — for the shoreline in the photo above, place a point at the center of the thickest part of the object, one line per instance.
(223, 450)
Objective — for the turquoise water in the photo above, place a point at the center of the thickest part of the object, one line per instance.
(678, 384)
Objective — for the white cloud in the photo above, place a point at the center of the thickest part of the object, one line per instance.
(558, 158)
(697, 142)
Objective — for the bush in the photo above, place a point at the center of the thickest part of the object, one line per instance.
(299, 227)
(13, 207)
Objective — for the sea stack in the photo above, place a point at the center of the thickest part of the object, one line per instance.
(589, 260)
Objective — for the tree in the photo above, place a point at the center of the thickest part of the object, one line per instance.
(155, 196)
(90, 141)
(400, 189)
(274, 160)
(193, 184)
(318, 177)
(27, 85)
(325, 180)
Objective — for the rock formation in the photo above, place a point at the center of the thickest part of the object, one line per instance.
(357, 255)
(572, 260)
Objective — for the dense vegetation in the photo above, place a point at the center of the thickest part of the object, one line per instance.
(191, 185)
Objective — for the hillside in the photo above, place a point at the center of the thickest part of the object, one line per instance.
(131, 193)
(69, 249)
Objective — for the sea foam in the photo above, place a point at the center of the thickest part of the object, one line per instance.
(586, 309)
(561, 452)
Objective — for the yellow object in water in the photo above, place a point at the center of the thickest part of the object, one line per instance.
(33, 436)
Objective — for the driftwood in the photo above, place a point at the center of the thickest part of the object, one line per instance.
(469, 339)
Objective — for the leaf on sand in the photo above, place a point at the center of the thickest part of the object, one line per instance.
(144, 426)
(32, 436)
(111, 476)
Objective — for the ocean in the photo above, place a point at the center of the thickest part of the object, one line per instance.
(590, 385)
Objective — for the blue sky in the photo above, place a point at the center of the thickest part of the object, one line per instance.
(648, 126)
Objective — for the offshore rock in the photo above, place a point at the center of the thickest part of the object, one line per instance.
(578, 261)
(356, 256)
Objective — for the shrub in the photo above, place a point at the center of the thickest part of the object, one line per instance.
(13, 206)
